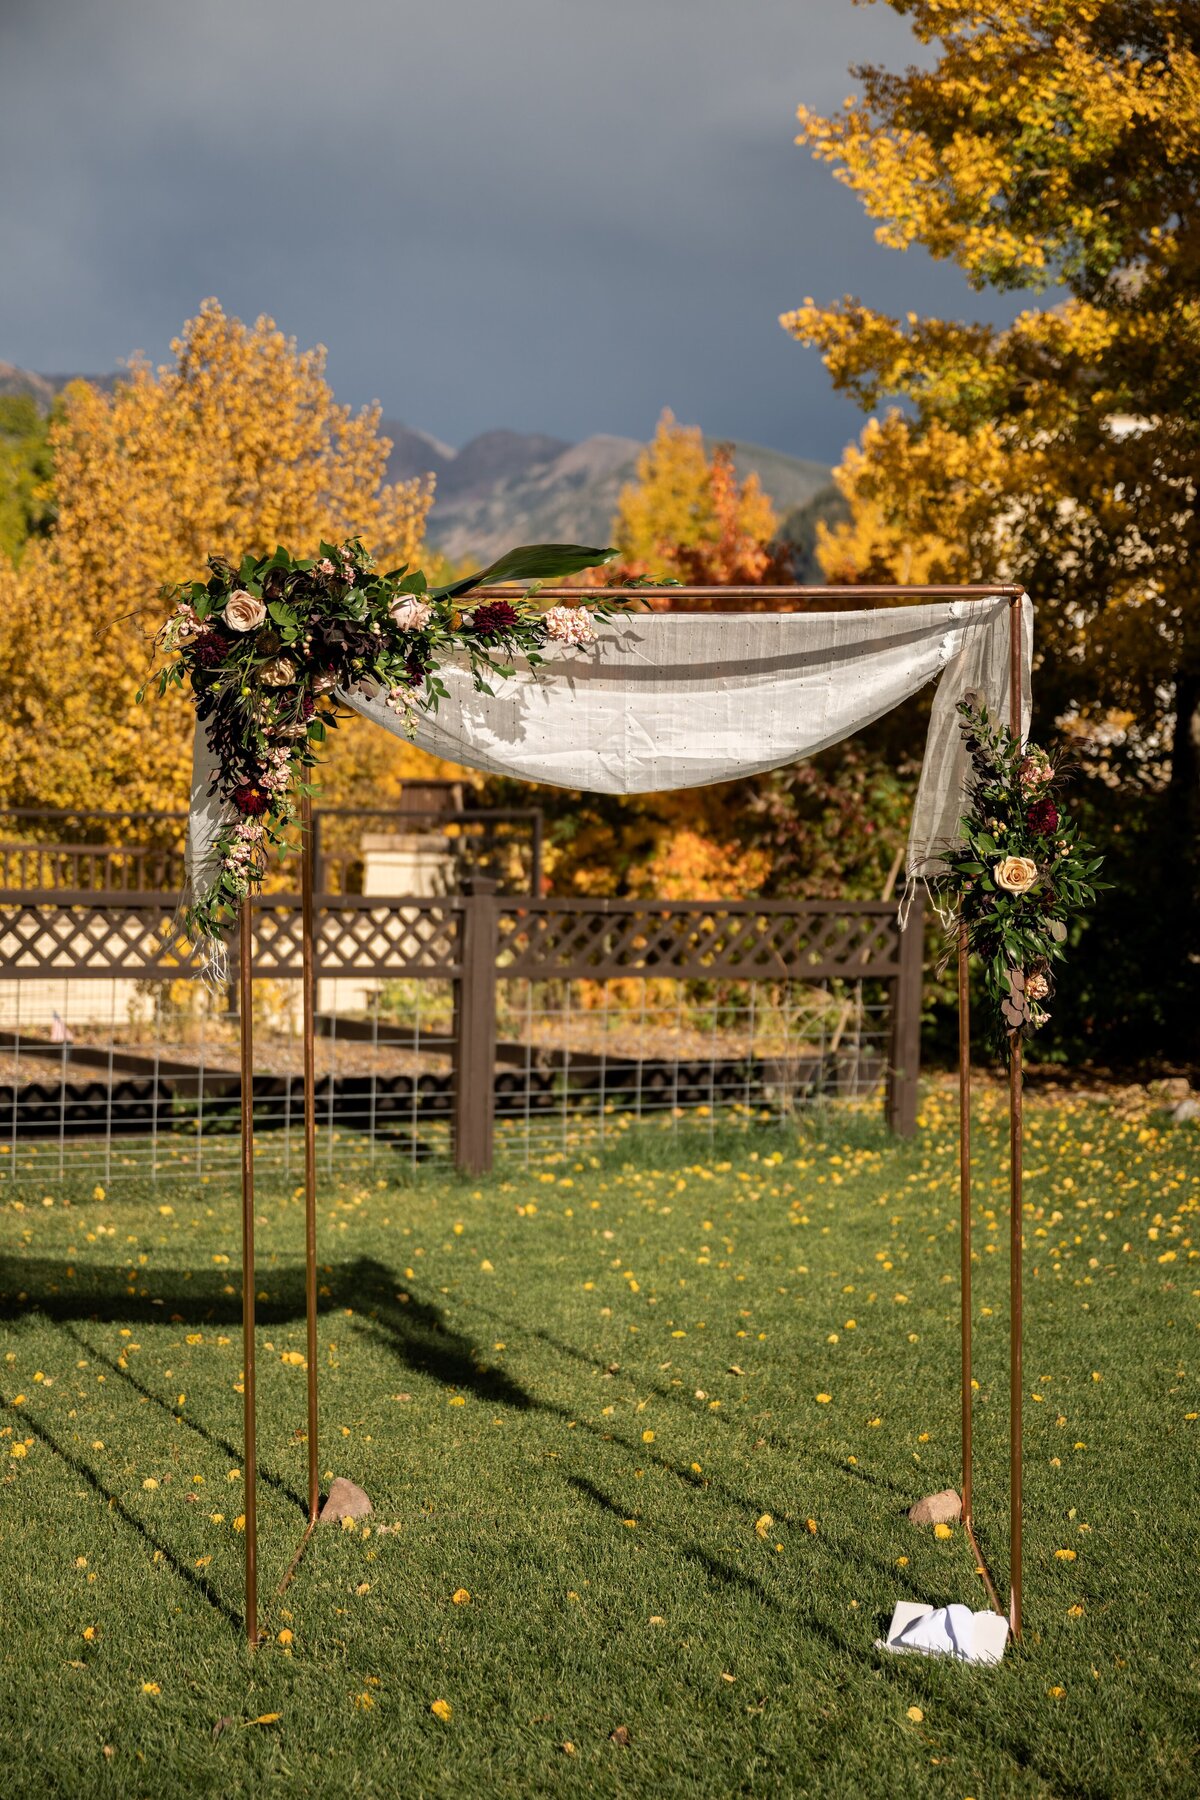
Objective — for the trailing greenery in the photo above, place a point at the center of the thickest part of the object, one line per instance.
(269, 644)
(1020, 877)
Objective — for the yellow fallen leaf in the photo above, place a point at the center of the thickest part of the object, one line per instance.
(763, 1525)
(442, 1709)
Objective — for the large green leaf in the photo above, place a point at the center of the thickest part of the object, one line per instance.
(529, 562)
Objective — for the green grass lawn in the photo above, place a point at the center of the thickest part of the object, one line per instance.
(660, 1416)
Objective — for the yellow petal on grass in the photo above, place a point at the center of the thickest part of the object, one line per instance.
(1065, 1555)
(461, 1597)
(442, 1709)
(916, 1715)
(824, 1399)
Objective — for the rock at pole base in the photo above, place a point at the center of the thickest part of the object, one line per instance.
(936, 1509)
(344, 1501)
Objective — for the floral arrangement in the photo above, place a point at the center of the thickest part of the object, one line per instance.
(1020, 875)
(268, 643)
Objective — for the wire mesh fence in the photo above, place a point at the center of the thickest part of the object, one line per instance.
(448, 1030)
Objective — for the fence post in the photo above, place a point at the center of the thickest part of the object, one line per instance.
(904, 1062)
(475, 1030)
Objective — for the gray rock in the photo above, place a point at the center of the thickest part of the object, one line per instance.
(345, 1501)
(1186, 1111)
(937, 1509)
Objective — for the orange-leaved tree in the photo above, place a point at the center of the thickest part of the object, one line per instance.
(689, 518)
(235, 445)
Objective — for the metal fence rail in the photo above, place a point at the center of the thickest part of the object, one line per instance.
(467, 1027)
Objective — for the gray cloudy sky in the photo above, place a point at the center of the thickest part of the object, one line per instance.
(556, 215)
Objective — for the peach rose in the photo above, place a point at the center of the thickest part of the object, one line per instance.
(1015, 874)
(281, 672)
(243, 611)
(410, 614)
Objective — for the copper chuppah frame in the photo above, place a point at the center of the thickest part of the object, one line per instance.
(762, 598)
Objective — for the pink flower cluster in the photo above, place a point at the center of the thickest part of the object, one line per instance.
(569, 625)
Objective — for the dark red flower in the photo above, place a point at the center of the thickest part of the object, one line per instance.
(251, 800)
(1042, 817)
(493, 618)
(210, 649)
(416, 671)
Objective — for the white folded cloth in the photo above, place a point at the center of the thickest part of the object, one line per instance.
(955, 1631)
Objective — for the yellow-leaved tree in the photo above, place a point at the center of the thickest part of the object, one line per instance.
(235, 445)
(1040, 144)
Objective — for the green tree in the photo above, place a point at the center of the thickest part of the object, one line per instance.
(26, 507)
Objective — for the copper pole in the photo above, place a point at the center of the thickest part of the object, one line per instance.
(307, 925)
(1015, 1330)
(307, 909)
(964, 1206)
(964, 1232)
(1015, 1203)
(668, 596)
(246, 1010)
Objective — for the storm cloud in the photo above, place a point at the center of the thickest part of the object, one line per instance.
(554, 215)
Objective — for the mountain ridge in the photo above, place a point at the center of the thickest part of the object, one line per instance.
(507, 487)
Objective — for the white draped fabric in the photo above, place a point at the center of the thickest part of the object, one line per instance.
(675, 700)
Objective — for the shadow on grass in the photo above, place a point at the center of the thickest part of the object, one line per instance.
(715, 1570)
(414, 1331)
(115, 1504)
(210, 1437)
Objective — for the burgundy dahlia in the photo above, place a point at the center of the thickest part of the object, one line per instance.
(1042, 817)
(210, 649)
(251, 800)
(493, 618)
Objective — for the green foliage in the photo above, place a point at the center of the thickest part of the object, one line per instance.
(1019, 879)
(26, 468)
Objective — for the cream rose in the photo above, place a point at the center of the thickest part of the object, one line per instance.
(279, 673)
(410, 614)
(243, 612)
(1015, 874)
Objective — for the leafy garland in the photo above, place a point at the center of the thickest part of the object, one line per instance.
(267, 644)
(1020, 876)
